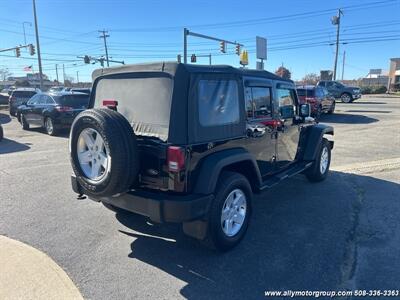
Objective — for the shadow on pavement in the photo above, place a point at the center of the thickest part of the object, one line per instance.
(63, 133)
(302, 236)
(367, 102)
(4, 118)
(370, 111)
(347, 119)
(10, 146)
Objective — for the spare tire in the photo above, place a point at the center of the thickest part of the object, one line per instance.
(104, 152)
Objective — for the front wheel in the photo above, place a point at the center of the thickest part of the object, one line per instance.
(24, 123)
(346, 98)
(320, 168)
(332, 109)
(230, 211)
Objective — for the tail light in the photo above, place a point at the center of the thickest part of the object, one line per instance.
(176, 158)
(111, 104)
(63, 108)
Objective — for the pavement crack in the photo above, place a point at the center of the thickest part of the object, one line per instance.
(349, 264)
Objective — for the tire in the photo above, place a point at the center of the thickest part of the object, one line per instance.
(317, 114)
(229, 183)
(319, 170)
(24, 123)
(332, 109)
(346, 98)
(1, 133)
(49, 126)
(12, 113)
(119, 150)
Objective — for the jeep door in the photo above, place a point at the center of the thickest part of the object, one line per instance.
(260, 125)
(288, 131)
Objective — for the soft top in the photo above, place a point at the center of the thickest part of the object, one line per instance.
(172, 68)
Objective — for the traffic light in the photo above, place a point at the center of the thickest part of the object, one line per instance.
(193, 58)
(86, 59)
(31, 49)
(222, 46)
(17, 52)
(237, 49)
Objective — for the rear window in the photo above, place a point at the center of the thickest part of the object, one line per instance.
(305, 93)
(75, 101)
(24, 94)
(218, 102)
(144, 102)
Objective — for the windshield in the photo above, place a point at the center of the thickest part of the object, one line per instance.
(144, 102)
(23, 94)
(75, 101)
(305, 92)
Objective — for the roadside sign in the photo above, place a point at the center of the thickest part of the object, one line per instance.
(261, 47)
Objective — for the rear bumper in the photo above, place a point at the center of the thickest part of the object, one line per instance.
(158, 206)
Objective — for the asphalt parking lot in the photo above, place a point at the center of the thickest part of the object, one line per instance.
(343, 233)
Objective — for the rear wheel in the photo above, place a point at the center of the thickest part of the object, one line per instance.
(50, 127)
(230, 211)
(320, 168)
(346, 98)
(24, 123)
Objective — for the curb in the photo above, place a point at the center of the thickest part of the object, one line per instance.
(27, 273)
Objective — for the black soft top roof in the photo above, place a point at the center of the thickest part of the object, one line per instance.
(173, 69)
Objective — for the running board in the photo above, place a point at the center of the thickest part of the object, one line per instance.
(277, 178)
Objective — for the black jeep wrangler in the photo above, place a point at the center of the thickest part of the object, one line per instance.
(191, 144)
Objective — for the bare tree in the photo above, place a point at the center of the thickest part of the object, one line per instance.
(4, 73)
(310, 78)
(283, 72)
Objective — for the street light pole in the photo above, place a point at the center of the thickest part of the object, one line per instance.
(23, 27)
(38, 45)
(77, 77)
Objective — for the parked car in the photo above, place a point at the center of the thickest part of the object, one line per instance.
(81, 90)
(191, 144)
(319, 99)
(20, 96)
(340, 91)
(56, 89)
(52, 111)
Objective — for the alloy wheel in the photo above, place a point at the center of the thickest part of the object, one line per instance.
(233, 212)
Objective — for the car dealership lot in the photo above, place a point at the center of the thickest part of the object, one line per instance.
(341, 233)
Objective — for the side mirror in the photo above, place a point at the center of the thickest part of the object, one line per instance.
(305, 110)
(287, 111)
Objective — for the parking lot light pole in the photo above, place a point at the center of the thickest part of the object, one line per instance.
(38, 45)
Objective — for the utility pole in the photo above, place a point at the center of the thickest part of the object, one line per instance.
(38, 45)
(104, 36)
(336, 21)
(57, 74)
(344, 59)
(185, 34)
(77, 77)
(64, 74)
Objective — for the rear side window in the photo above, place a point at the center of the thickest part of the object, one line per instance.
(75, 101)
(218, 102)
(258, 102)
(286, 97)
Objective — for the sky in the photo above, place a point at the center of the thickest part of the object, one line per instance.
(299, 33)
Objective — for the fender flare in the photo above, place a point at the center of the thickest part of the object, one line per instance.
(314, 138)
(212, 165)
